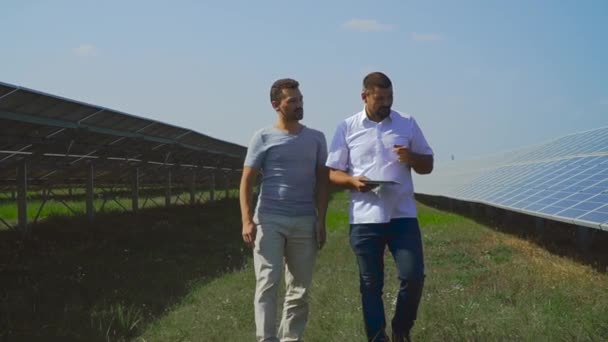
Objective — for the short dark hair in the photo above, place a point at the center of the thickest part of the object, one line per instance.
(376, 79)
(276, 91)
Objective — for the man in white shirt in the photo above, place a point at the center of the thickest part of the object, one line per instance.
(380, 144)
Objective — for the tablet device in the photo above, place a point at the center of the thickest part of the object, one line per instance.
(378, 182)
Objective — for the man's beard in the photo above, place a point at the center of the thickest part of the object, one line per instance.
(297, 115)
(383, 112)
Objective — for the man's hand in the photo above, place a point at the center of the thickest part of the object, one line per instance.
(358, 184)
(403, 154)
(249, 230)
(421, 163)
(321, 234)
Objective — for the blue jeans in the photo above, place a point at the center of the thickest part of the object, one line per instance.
(368, 241)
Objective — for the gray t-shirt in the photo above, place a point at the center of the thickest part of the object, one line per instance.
(288, 163)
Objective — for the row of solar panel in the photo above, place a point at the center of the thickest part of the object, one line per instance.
(25, 105)
(576, 144)
(569, 188)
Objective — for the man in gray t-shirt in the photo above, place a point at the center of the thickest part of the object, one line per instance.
(288, 225)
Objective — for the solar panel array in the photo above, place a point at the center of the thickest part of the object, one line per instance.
(58, 136)
(565, 180)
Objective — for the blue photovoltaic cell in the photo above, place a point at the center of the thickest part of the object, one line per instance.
(566, 203)
(579, 197)
(566, 178)
(572, 213)
(528, 201)
(535, 207)
(594, 202)
(588, 205)
(528, 196)
(599, 187)
(596, 216)
(552, 210)
(522, 204)
(547, 201)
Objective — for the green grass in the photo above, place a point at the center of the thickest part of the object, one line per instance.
(106, 280)
(481, 286)
(54, 208)
(183, 275)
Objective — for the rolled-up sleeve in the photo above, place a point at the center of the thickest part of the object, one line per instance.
(418, 143)
(255, 151)
(337, 158)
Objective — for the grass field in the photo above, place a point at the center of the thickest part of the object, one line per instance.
(106, 280)
(182, 275)
(481, 286)
(54, 207)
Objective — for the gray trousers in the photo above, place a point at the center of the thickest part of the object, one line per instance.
(289, 242)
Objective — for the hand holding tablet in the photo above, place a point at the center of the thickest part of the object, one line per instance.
(378, 182)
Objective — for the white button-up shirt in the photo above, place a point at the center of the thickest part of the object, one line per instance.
(362, 147)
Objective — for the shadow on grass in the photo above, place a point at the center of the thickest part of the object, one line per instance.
(72, 279)
(556, 237)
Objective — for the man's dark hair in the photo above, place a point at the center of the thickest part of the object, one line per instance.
(376, 79)
(276, 91)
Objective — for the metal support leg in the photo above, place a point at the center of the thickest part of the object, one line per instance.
(212, 188)
(135, 190)
(90, 192)
(539, 225)
(583, 238)
(22, 197)
(227, 186)
(508, 217)
(193, 189)
(489, 211)
(168, 190)
(473, 209)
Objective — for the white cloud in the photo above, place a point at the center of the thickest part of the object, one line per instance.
(86, 50)
(426, 37)
(365, 25)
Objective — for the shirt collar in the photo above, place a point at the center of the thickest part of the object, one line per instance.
(363, 117)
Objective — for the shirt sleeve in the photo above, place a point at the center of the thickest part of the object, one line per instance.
(419, 144)
(338, 150)
(255, 151)
(321, 150)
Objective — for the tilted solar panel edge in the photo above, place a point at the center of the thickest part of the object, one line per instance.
(101, 108)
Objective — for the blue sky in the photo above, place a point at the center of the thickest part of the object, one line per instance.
(479, 76)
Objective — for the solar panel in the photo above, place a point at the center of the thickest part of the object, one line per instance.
(47, 141)
(565, 179)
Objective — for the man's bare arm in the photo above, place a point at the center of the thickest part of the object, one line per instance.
(421, 163)
(322, 199)
(344, 180)
(322, 191)
(245, 196)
